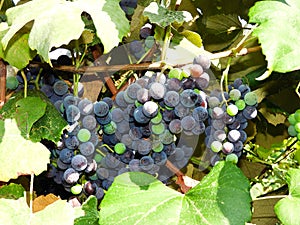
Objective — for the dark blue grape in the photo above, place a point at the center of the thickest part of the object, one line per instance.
(101, 108)
(146, 163)
(65, 155)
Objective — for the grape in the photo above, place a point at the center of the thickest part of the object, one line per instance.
(188, 83)
(292, 131)
(238, 146)
(46, 89)
(240, 104)
(243, 125)
(61, 165)
(171, 99)
(89, 188)
(250, 98)
(160, 158)
(175, 126)
(237, 82)
(157, 128)
(132, 90)
(188, 98)
(297, 127)
(157, 90)
(157, 119)
(169, 149)
(199, 128)
(70, 100)
(168, 115)
(12, 83)
(110, 139)
(216, 146)
(60, 87)
(102, 173)
(157, 146)
(202, 82)
(108, 101)
(139, 116)
(250, 112)
(110, 128)
(135, 46)
(142, 95)
(111, 161)
(72, 142)
(217, 113)
(134, 165)
(146, 163)
(179, 154)
(297, 115)
(76, 189)
(101, 108)
(146, 131)
(219, 135)
(85, 106)
(244, 89)
(202, 60)
(83, 135)
(65, 155)
(135, 133)
(181, 111)
(119, 100)
(228, 119)
(173, 84)
(104, 120)
(150, 40)
(123, 127)
(235, 94)
(150, 109)
(228, 147)
(292, 119)
(79, 162)
(166, 137)
(143, 146)
(243, 136)
(71, 176)
(232, 158)
(146, 31)
(91, 166)
(196, 70)
(106, 183)
(175, 73)
(213, 102)
(89, 122)
(200, 113)
(232, 110)
(233, 135)
(86, 148)
(72, 113)
(218, 124)
(117, 115)
(188, 123)
(127, 99)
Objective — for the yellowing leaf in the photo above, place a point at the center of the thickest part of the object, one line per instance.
(20, 156)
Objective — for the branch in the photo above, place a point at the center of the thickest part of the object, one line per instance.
(2, 82)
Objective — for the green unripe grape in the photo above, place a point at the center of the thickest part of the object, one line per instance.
(175, 73)
(298, 136)
(84, 135)
(12, 83)
(137, 103)
(232, 158)
(232, 110)
(158, 128)
(297, 127)
(216, 146)
(292, 119)
(120, 148)
(184, 74)
(240, 104)
(76, 189)
(110, 128)
(157, 146)
(149, 41)
(291, 130)
(235, 94)
(297, 115)
(250, 98)
(157, 119)
(98, 157)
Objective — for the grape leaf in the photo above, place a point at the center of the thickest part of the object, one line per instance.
(287, 209)
(16, 212)
(57, 22)
(12, 191)
(278, 32)
(164, 17)
(222, 197)
(91, 216)
(18, 53)
(28, 111)
(19, 156)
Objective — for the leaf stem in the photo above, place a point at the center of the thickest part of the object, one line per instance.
(25, 83)
(270, 197)
(31, 192)
(224, 78)
(168, 36)
(297, 89)
(36, 81)
(1, 4)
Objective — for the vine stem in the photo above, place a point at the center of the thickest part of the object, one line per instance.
(2, 82)
(270, 197)
(31, 195)
(168, 36)
(224, 78)
(25, 83)
(297, 89)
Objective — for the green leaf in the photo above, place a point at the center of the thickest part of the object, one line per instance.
(19, 156)
(91, 216)
(222, 197)
(18, 53)
(28, 111)
(12, 191)
(164, 17)
(57, 22)
(16, 212)
(278, 33)
(287, 209)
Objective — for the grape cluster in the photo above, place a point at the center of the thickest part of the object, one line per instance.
(229, 113)
(294, 128)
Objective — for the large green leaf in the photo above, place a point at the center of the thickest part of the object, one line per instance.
(287, 209)
(91, 214)
(278, 32)
(18, 53)
(16, 212)
(222, 197)
(57, 22)
(12, 191)
(20, 156)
